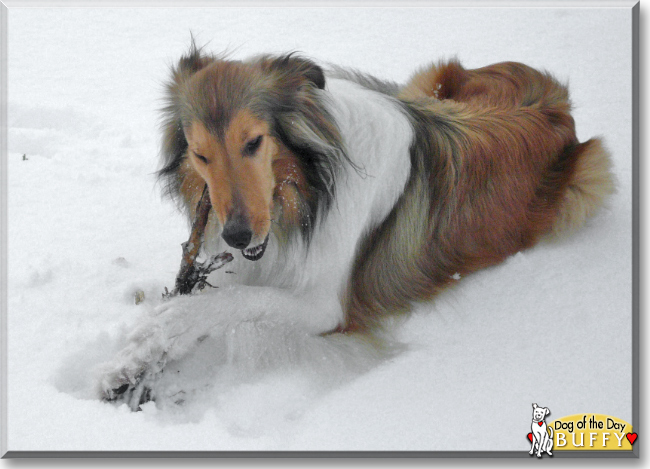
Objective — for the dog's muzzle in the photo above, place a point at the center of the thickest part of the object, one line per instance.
(237, 233)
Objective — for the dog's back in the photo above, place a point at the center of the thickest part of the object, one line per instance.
(514, 85)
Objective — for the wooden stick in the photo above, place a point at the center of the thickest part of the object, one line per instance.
(187, 275)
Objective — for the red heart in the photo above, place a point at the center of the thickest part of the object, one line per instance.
(540, 423)
(530, 437)
(631, 437)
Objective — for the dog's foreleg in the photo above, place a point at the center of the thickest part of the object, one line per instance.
(532, 442)
(532, 446)
(541, 443)
(176, 326)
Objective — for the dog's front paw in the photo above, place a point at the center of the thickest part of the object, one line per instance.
(169, 332)
(122, 385)
(132, 395)
(130, 381)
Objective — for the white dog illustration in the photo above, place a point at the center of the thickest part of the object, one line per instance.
(541, 441)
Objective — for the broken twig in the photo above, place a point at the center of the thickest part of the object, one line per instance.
(192, 273)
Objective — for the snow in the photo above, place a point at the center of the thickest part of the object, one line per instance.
(88, 229)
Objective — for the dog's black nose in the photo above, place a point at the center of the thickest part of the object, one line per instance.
(237, 233)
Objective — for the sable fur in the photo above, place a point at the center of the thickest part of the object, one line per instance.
(514, 85)
(494, 164)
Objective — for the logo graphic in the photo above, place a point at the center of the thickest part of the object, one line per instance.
(541, 436)
(578, 432)
(592, 432)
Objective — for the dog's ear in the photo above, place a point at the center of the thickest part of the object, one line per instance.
(174, 144)
(192, 62)
(534, 406)
(294, 66)
(546, 411)
(312, 72)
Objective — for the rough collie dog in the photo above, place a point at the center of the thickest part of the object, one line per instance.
(346, 199)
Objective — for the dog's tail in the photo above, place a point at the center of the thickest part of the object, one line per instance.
(441, 81)
(502, 85)
(591, 183)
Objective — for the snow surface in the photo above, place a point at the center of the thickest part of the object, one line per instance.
(87, 229)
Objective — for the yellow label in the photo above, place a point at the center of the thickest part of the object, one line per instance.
(591, 432)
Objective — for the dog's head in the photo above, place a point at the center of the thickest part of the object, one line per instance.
(258, 134)
(540, 413)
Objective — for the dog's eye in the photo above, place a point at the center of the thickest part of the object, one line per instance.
(203, 159)
(252, 146)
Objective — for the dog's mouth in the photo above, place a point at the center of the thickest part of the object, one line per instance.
(255, 253)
